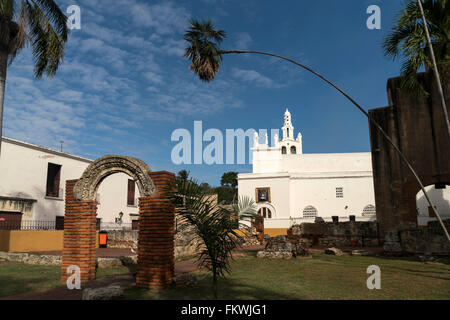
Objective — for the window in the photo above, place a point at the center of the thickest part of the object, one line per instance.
(339, 192)
(283, 150)
(262, 194)
(131, 200)
(59, 222)
(369, 210)
(53, 180)
(265, 213)
(309, 212)
(293, 150)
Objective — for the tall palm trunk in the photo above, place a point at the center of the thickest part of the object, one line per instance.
(3, 67)
(380, 129)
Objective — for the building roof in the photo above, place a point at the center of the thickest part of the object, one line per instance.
(45, 149)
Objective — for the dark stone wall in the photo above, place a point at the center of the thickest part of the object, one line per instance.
(338, 234)
(417, 127)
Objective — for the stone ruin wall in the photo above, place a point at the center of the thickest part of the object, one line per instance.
(336, 234)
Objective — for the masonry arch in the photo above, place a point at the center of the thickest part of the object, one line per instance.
(155, 267)
(268, 209)
(439, 194)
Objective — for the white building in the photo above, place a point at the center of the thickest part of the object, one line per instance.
(33, 180)
(291, 187)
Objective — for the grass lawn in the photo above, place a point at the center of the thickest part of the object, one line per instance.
(18, 278)
(322, 277)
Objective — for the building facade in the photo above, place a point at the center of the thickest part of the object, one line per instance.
(291, 187)
(32, 188)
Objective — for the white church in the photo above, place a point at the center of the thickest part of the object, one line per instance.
(290, 187)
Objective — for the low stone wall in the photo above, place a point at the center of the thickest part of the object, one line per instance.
(337, 234)
(425, 240)
(54, 260)
(122, 238)
(185, 241)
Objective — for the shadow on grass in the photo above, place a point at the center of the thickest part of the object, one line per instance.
(12, 285)
(228, 289)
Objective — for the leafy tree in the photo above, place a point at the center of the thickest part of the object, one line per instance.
(39, 23)
(408, 40)
(183, 175)
(225, 193)
(229, 179)
(213, 227)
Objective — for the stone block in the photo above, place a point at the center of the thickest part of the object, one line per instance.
(112, 292)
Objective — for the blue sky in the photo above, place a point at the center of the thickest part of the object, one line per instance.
(124, 87)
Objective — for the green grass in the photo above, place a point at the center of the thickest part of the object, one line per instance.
(322, 277)
(16, 278)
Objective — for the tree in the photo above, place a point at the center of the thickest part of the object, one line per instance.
(213, 226)
(408, 40)
(205, 56)
(39, 23)
(183, 175)
(229, 179)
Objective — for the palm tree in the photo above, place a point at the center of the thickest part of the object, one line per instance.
(408, 39)
(422, 36)
(39, 23)
(213, 226)
(205, 55)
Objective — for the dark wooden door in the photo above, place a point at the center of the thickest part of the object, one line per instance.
(10, 220)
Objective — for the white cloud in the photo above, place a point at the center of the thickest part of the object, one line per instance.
(243, 41)
(254, 77)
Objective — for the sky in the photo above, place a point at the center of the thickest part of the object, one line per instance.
(124, 86)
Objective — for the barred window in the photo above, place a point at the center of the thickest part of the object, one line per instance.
(265, 213)
(369, 210)
(339, 192)
(309, 212)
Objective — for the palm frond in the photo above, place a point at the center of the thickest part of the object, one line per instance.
(203, 48)
(407, 40)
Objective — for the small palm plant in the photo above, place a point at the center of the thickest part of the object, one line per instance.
(213, 226)
(39, 23)
(408, 39)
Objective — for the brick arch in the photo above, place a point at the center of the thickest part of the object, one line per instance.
(86, 188)
(155, 267)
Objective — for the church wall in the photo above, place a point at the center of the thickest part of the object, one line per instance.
(279, 194)
(321, 194)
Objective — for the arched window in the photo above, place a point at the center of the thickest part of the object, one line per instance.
(293, 150)
(309, 212)
(369, 210)
(283, 150)
(265, 213)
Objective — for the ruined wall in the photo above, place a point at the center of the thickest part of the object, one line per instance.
(417, 127)
(340, 234)
(427, 240)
